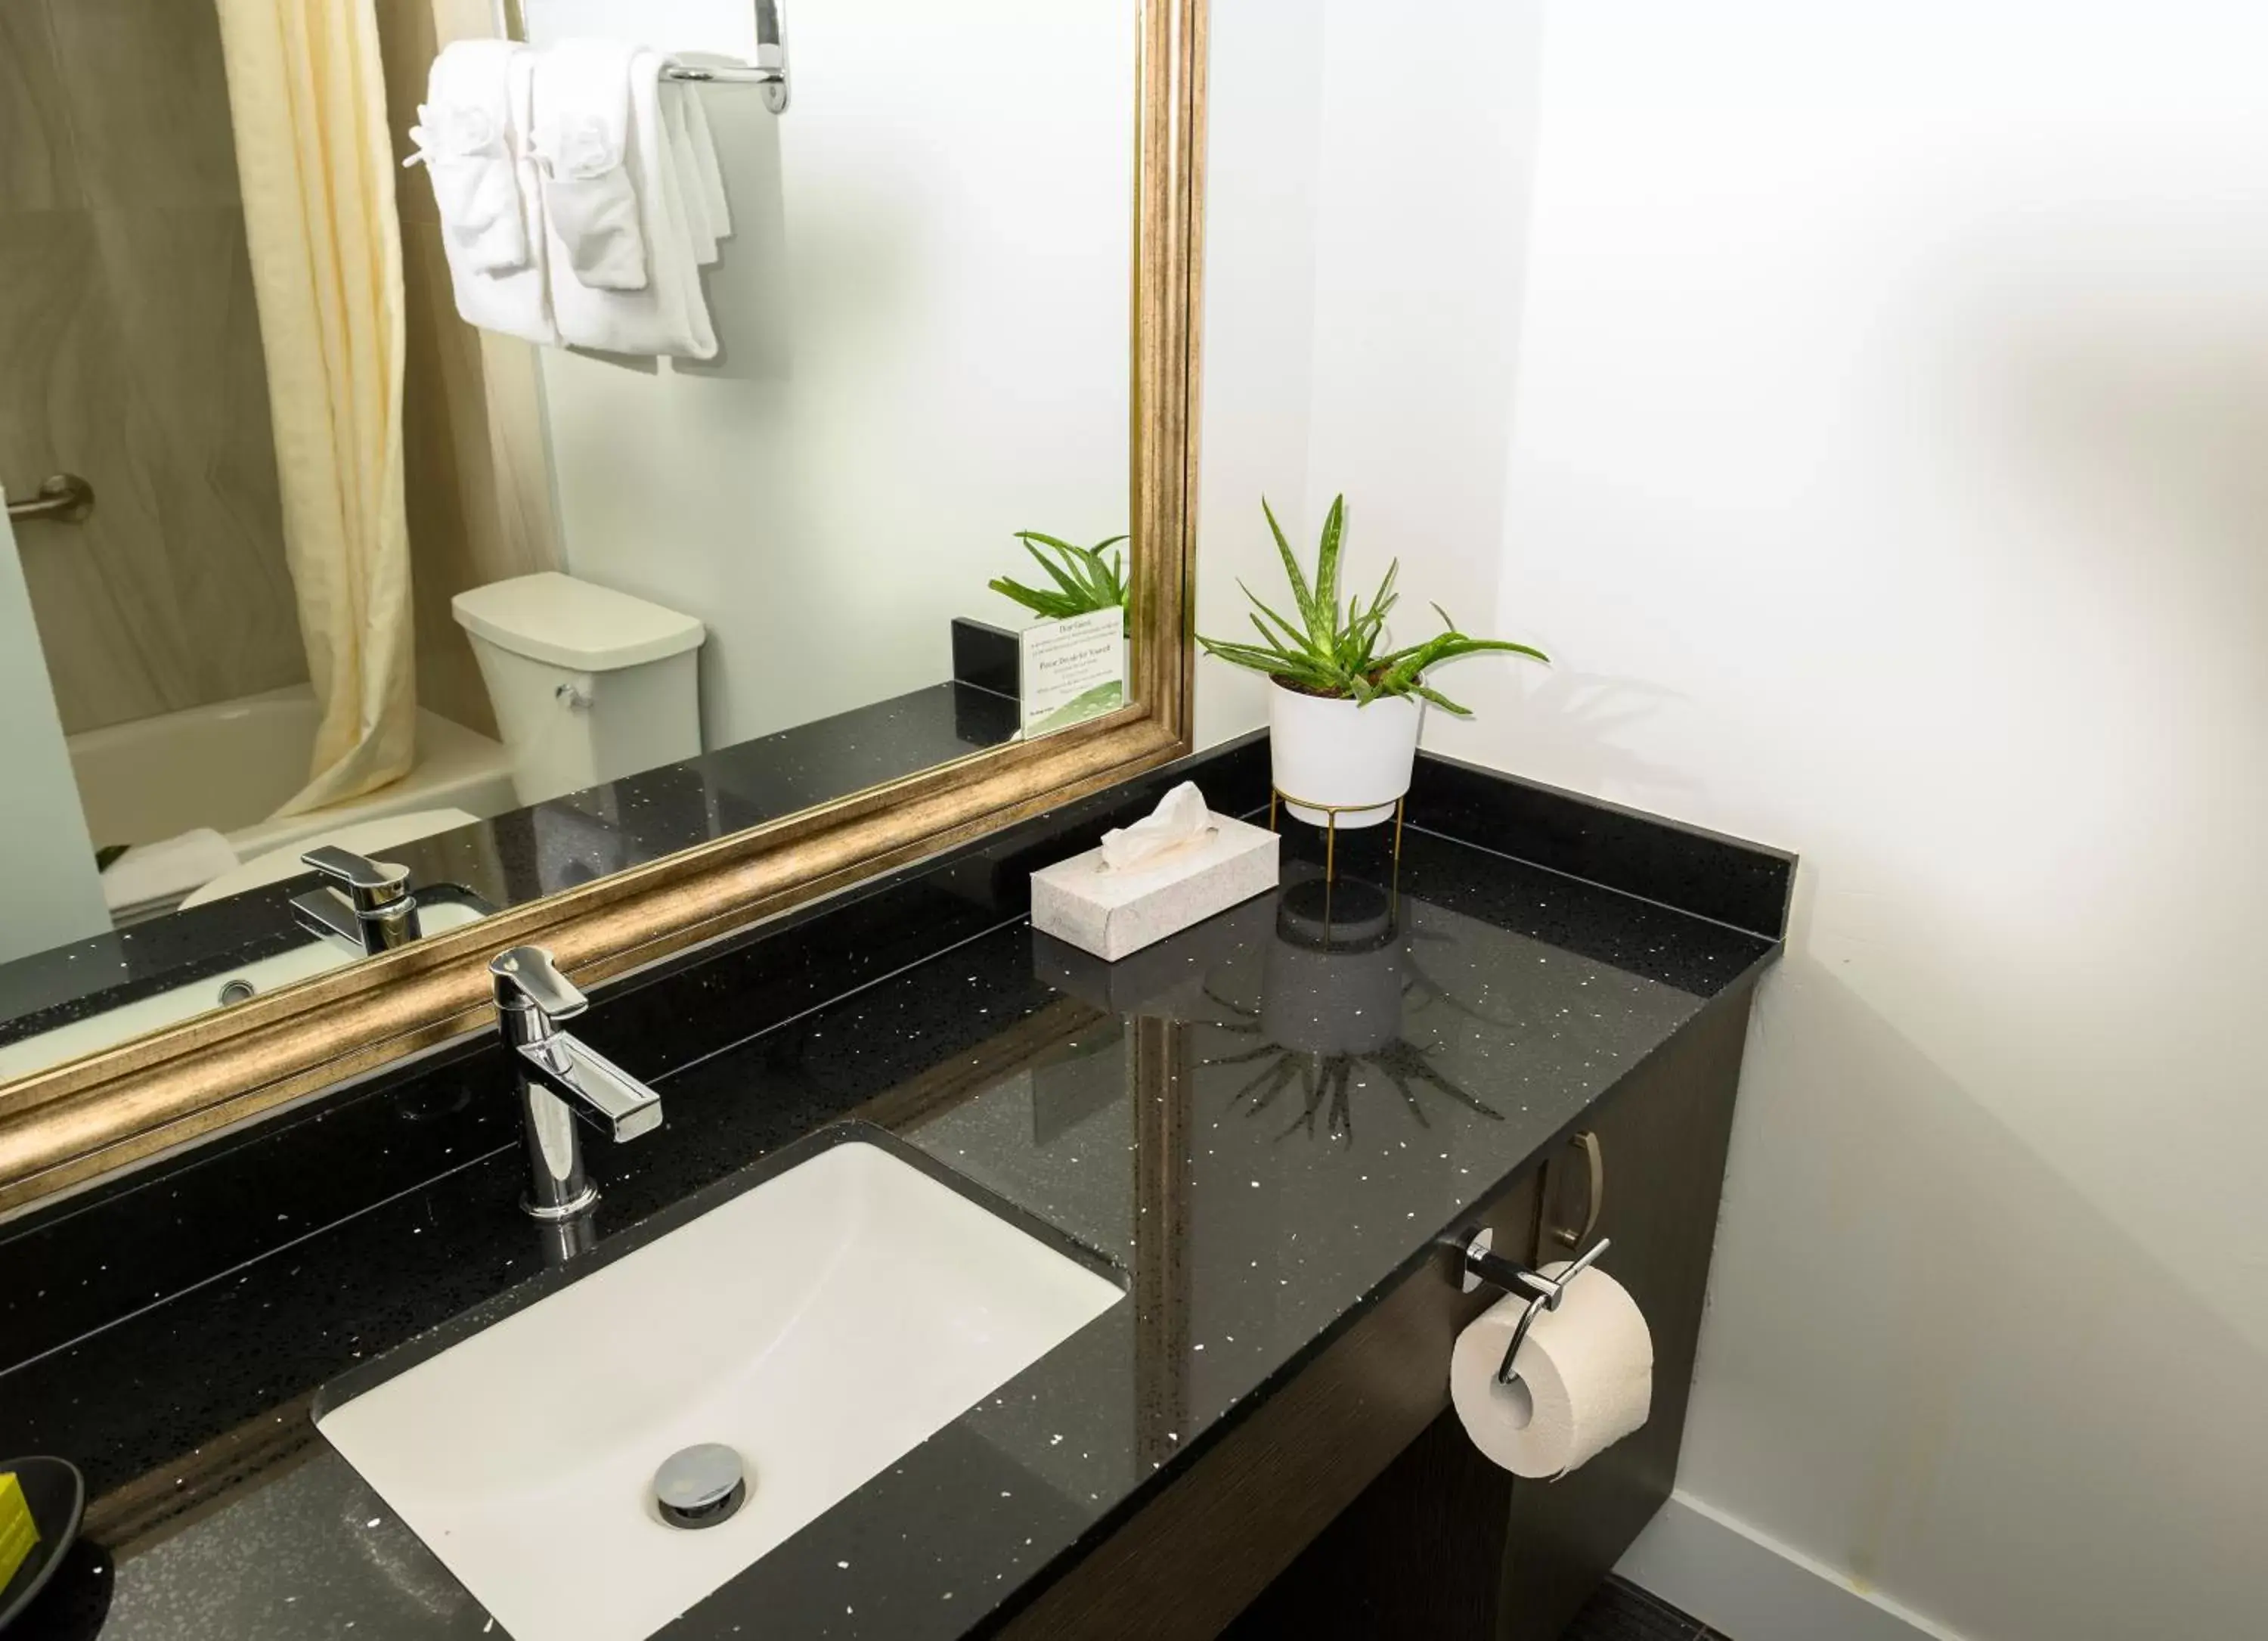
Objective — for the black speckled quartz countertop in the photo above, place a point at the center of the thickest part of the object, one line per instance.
(1261, 1124)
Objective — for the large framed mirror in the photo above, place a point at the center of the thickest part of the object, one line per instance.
(681, 459)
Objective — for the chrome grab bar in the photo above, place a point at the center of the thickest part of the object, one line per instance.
(61, 499)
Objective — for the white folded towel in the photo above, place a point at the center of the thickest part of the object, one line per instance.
(669, 315)
(704, 158)
(582, 119)
(472, 138)
(463, 139)
(701, 181)
(152, 874)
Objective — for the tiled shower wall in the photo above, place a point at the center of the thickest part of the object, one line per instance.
(132, 356)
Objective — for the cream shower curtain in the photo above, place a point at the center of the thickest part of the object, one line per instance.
(308, 99)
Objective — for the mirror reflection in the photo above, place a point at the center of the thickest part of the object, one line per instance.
(667, 417)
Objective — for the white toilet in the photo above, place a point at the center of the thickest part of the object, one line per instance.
(588, 684)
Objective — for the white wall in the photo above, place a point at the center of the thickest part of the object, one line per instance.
(1884, 464)
(1362, 303)
(1262, 178)
(924, 322)
(51, 894)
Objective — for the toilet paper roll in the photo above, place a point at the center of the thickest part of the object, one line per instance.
(1585, 1378)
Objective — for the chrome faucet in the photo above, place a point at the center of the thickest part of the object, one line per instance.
(561, 1079)
(366, 906)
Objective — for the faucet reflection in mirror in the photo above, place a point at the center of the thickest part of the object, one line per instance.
(366, 904)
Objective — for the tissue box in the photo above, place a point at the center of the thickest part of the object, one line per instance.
(1111, 914)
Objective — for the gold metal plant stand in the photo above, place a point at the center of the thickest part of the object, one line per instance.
(1331, 826)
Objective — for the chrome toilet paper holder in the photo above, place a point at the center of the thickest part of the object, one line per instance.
(1479, 1265)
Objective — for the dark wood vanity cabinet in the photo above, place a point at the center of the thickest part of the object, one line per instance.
(1663, 1141)
(1352, 1505)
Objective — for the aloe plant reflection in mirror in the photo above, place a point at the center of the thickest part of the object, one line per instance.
(1072, 663)
(1084, 580)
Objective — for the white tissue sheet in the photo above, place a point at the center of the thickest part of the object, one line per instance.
(1585, 1378)
(1180, 820)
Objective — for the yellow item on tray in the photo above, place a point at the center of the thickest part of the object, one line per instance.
(18, 1531)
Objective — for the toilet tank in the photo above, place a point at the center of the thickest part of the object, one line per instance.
(589, 684)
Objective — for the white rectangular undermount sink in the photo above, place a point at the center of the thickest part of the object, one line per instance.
(821, 1324)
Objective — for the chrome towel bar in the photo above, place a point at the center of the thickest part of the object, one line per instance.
(769, 70)
(773, 80)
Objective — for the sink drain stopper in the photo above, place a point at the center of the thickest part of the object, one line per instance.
(700, 1486)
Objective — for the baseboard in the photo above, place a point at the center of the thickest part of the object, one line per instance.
(1736, 1580)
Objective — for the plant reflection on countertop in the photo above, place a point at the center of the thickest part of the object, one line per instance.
(1334, 984)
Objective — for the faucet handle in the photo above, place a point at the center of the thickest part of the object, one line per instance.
(373, 885)
(525, 977)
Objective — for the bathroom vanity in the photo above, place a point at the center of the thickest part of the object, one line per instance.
(940, 1280)
(1242, 1153)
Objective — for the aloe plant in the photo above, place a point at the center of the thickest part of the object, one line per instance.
(1085, 581)
(1322, 653)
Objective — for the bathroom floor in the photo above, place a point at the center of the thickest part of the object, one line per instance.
(1622, 1612)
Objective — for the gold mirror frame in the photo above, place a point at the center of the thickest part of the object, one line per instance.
(67, 1125)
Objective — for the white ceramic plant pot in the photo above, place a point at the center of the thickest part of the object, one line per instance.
(1357, 758)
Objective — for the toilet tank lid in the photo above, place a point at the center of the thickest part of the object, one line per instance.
(555, 618)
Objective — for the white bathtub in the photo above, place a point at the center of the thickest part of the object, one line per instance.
(230, 765)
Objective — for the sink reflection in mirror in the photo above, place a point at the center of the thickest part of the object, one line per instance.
(170, 1005)
(818, 1323)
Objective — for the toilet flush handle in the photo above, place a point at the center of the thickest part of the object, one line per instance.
(572, 694)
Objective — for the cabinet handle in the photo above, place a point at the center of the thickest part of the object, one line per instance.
(1595, 1158)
